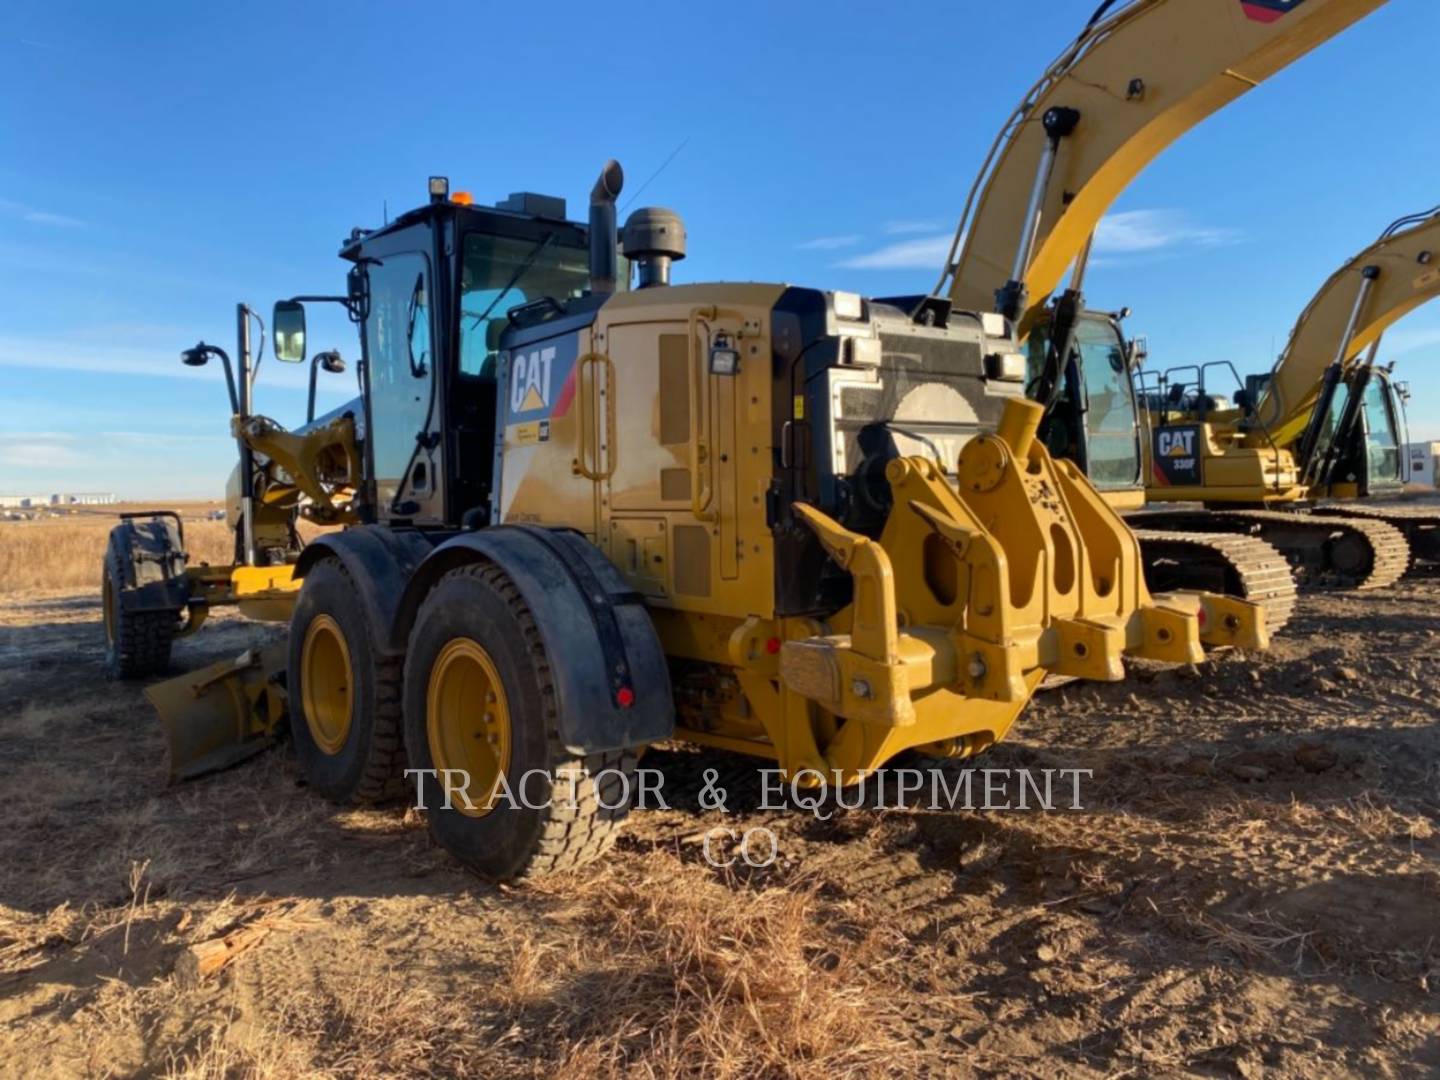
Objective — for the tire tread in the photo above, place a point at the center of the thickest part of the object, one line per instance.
(143, 639)
(570, 836)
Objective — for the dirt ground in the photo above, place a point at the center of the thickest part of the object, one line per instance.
(1252, 887)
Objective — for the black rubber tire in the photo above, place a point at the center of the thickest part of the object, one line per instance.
(140, 644)
(370, 764)
(587, 795)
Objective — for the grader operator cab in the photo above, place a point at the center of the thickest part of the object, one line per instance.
(797, 524)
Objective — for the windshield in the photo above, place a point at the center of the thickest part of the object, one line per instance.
(499, 273)
(1112, 444)
(1382, 444)
(1114, 451)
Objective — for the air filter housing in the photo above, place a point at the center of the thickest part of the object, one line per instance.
(653, 238)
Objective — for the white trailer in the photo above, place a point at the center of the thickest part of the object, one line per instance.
(1421, 469)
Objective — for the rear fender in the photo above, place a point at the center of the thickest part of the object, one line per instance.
(380, 561)
(593, 623)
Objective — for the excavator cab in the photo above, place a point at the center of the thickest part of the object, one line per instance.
(1363, 438)
(1095, 421)
(1385, 434)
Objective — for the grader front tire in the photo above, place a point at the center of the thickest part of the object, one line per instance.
(480, 700)
(344, 698)
(137, 643)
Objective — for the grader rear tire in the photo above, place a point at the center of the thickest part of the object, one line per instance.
(344, 699)
(479, 697)
(137, 643)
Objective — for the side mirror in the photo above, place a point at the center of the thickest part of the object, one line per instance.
(287, 324)
(331, 361)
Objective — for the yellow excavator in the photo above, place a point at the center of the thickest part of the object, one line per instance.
(581, 518)
(1137, 78)
(1326, 423)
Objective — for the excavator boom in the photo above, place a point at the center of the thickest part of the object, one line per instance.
(1355, 306)
(1138, 77)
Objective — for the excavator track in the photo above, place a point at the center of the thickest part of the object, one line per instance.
(1236, 565)
(1420, 524)
(1325, 552)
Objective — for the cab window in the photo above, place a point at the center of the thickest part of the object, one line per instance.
(498, 274)
(1382, 444)
(398, 345)
(1111, 435)
(1113, 450)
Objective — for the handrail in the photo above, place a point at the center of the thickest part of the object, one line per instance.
(585, 404)
(700, 495)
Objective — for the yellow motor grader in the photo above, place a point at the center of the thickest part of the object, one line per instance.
(581, 518)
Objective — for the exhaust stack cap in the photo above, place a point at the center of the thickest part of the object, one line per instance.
(654, 238)
(604, 261)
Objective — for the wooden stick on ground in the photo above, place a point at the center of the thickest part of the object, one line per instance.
(206, 958)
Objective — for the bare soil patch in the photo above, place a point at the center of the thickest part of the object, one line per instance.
(1253, 887)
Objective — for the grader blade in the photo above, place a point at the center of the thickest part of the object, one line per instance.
(222, 714)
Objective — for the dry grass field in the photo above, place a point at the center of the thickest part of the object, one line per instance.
(1252, 888)
(62, 549)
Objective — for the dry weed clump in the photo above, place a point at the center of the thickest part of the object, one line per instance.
(66, 553)
(381, 1022)
(701, 978)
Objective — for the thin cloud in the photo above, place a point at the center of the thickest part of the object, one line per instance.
(1402, 342)
(46, 461)
(1135, 232)
(907, 228)
(1127, 233)
(139, 355)
(829, 243)
(45, 217)
(35, 216)
(35, 450)
(921, 253)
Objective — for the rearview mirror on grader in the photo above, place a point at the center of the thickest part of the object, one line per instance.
(570, 532)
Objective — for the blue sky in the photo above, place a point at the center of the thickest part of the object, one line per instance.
(159, 162)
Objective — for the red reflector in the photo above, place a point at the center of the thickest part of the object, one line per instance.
(772, 646)
(1200, 616)
(624, 697)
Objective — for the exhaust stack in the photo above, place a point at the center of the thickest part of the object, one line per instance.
(604, 236)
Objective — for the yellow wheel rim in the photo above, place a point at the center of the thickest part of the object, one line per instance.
(107, 600)
(327, 684)
(467, 723)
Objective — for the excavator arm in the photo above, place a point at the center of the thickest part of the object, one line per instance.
(1347, 317)
(1136, 79)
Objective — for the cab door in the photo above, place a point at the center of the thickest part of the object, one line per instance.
(1384, 436)
(403, 359)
